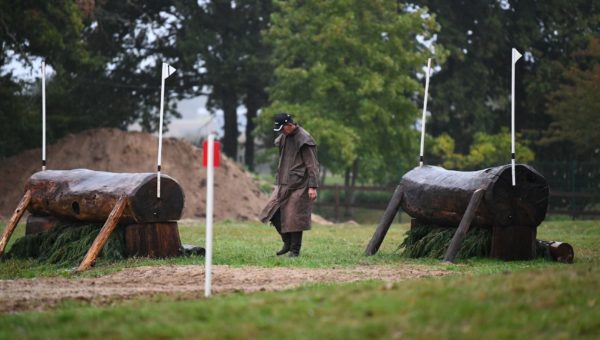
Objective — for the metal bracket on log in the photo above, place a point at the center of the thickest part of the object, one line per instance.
(14, 220)
(107, 229)
(384, 224)
(463, 228)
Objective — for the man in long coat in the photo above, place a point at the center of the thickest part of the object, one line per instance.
(290, 206)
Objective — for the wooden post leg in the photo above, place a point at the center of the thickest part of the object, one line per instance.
(107, 229)
(14, 220)
(384, 224)
(463, 227)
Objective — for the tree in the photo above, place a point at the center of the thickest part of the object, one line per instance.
(347, 70)
(574, 106)
(29, 30)
(106, 63)
(471, 92)
(222, 49)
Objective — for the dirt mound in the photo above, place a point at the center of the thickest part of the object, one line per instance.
(186, 281)
(237, 196)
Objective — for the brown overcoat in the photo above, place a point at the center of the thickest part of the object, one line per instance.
(298, 170)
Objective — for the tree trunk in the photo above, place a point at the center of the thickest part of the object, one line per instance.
(347, 193)
(252, 109)
(350, 182)
(86, 195)
(230, 138)
(439, 196)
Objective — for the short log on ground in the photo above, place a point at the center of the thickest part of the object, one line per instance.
(86, 195)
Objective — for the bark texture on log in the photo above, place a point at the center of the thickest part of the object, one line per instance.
(87, 195)
(154, 240)
(439, 196)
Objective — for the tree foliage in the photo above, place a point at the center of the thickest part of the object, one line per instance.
(575, 106)
(486, 151)
(106, 69)
(347, 70)
(471, 93)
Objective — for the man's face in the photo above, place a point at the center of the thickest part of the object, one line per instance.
(288, 128)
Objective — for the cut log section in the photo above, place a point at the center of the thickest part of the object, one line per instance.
(40, 224)
(155, 240)
(558, 251)
(87, 195)
(440, 197)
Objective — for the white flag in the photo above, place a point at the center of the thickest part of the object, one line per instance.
(167, 70)
(515, 55)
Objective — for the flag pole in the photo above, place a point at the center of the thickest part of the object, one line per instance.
(160, 126)
(424, 112)
(515, 56)
(209, 215)
(43, 115)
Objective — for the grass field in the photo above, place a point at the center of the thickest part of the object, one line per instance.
(486, 298)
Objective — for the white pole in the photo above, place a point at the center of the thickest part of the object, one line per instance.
(160, 125)
(209, 215)
(515, 56)
(43, 115)
(424, 112)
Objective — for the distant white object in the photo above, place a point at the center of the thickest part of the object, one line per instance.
(167, 70)
(209, 215)
(43, 115)
(424, 112)
(515, 57)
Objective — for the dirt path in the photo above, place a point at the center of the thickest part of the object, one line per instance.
(188, 281)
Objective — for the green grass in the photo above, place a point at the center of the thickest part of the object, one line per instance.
(558, 302)
(487, 299)
(245, 243)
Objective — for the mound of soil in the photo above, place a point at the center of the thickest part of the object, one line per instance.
(237, 196)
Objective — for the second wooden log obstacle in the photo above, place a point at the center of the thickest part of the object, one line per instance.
(126, 199)
(436, 196)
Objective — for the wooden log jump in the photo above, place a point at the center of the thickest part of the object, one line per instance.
(113, 198)
(87, 195)
(434, 195)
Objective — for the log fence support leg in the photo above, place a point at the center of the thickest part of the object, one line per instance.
(107, 229)
(14, 220)
(384, 223)
(463, 227)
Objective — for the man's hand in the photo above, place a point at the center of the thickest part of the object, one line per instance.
(312, 194)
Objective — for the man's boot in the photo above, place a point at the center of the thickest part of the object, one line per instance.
(286, 244)
(276, 221)
(295, 243)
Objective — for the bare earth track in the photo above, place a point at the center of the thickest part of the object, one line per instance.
(187, 281)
